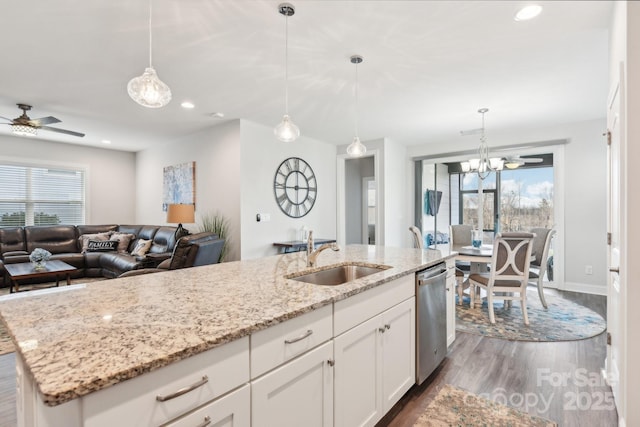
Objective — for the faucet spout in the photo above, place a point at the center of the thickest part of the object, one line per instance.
(312, 254)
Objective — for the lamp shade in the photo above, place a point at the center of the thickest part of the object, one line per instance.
(181, 213)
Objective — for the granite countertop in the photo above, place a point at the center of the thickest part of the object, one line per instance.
(82, 338)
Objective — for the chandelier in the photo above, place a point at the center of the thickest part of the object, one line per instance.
(356, 148)
(483, 165)
(148, 90)
(286, 131)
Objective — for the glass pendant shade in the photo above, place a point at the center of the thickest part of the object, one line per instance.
(286, 131)
(23, 130)
(148, 90)
(356, 148)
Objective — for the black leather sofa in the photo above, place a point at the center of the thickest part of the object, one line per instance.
(65, 244)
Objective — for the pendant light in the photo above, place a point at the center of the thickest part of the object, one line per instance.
(356, 148)
(483, 165)
(286, 131)
(148, 90)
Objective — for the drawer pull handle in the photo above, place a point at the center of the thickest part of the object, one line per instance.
(300, 338)
(206, 422)
(184, 390)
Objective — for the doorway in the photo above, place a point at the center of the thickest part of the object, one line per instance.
(360, 201)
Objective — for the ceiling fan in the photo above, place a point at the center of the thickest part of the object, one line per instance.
(513, 162)
(26, 126)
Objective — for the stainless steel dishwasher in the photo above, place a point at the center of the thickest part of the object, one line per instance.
(431, 320)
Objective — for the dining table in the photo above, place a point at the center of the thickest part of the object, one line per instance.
(479, 260)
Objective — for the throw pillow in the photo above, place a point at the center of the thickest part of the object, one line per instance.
(102, 245)
(83, 240)
(141, 248)
(124, 239)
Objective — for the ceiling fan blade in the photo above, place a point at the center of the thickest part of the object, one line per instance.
(44, 121)
(9, 120)
(68, 132)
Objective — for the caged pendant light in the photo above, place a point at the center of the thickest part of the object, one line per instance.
(356, 148)
(286, 131)
(148, 90)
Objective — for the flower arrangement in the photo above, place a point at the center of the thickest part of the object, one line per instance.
(39, 257)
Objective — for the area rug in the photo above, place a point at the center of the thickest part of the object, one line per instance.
(564, 320)
(455, 407)
(6, 345)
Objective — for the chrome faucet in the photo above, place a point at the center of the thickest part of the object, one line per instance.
(312, 253)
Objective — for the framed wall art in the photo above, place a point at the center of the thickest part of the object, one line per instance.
(179, 184)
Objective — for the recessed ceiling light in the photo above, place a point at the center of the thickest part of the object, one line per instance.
(187, 104)
(106, 141)
(217, 115)
(528, 12)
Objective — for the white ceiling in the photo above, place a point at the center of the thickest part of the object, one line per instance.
(428, 66)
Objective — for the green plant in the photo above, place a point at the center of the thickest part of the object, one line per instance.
(218, 224)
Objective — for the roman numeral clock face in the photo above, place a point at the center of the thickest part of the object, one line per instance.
(295, 187)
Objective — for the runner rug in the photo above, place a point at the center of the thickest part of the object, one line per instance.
(456, 407)
(564, 320)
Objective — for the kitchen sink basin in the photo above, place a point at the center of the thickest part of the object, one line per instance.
(338, 275)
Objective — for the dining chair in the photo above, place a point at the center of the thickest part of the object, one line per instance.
(509, 275)
(460, 235)
(540, 255)
(417, 237)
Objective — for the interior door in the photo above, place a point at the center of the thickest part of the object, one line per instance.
(615, 307)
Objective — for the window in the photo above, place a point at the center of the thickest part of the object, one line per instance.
(41, 195)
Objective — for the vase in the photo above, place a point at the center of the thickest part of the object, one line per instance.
(39, 265)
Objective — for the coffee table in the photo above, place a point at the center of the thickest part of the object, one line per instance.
(25, 270)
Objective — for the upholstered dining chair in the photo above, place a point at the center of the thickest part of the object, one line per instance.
(540, 254)
(509, 275)
(417, 237)
(460, 235)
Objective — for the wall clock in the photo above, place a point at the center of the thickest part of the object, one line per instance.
(295, 187)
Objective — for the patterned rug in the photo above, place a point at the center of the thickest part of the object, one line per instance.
(564, 320)
(455, 407)
(6, 345)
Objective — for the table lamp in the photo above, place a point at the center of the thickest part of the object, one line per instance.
(180, 213)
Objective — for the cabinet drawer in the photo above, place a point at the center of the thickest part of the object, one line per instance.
(363, 306)
(274, 346)
(232, 410)
(134, 402)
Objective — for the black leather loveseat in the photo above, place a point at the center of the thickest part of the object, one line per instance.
(68, 243)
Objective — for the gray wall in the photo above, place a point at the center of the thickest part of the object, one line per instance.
(111, 174)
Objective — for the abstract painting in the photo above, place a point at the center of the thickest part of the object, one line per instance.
(179, 185)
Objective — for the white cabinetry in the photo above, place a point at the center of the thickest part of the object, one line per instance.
(299, 393)
(451, 301)
(374, 360)
(232, 410)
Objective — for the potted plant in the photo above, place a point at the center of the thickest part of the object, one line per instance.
(218, 224)
(39, 258)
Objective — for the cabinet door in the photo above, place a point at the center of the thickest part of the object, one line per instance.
(231, 410)
(398, 352)
(451, 309)
(299, 393)
(358, 375)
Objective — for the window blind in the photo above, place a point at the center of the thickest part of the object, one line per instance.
(40, 195)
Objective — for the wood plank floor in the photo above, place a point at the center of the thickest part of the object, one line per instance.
(534, 377)
(560, 381)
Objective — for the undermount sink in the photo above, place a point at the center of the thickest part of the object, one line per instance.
(338, 275)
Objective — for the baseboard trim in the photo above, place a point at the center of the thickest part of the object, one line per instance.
(584, 288)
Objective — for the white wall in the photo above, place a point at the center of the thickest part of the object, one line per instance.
(261, 155)
(584, 174)
(216, 152)
(396, 212)
(111, 178)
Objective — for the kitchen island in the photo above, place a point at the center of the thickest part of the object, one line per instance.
(82, 340)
